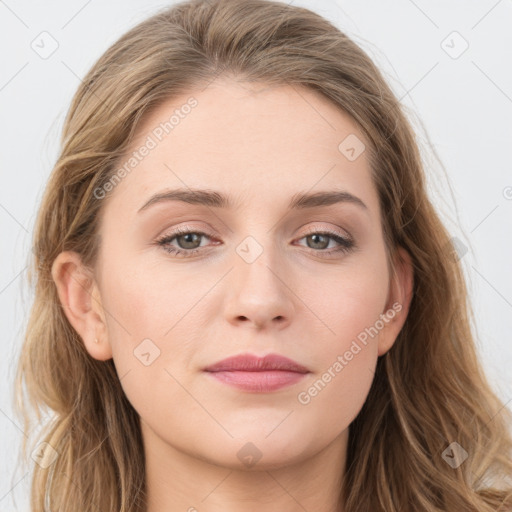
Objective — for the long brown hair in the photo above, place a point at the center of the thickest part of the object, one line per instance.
(429, 390)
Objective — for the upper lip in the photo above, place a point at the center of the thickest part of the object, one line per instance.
(252, 363)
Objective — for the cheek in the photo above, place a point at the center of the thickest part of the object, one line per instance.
(144, 300)
(350, 302)
(350, 309)
(137, 319)
(145, 313)
(151, 316)
(334, 396)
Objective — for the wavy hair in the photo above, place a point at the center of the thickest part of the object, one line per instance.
(429, 390)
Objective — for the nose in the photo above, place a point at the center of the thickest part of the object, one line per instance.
(260, 295)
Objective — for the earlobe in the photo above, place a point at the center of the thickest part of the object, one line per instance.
(399, 300)
(80, 299)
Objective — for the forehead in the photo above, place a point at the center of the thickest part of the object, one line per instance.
(250, 140)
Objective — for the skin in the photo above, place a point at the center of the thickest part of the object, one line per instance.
(261, 146)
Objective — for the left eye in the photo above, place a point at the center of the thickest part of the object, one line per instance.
(189, 242)
(186, 239)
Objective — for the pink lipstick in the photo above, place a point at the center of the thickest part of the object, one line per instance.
(257, 374)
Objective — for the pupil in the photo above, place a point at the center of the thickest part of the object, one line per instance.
(187, 237)
(316, 240)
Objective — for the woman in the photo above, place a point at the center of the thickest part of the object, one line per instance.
(244, 298)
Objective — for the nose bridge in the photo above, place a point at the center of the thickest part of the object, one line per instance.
(259, 291)
(257, 264)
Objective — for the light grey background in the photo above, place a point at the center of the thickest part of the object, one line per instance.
(464, 102)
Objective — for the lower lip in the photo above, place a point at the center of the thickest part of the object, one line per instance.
(258, 381)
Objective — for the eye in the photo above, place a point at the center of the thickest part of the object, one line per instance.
(186, 238)
(189, 242)
(321, 239)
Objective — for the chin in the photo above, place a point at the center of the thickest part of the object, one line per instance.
(262, 451)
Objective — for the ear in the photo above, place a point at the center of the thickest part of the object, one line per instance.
(399, 300)
(81, 301)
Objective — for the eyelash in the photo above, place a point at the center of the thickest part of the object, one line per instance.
(346, 244)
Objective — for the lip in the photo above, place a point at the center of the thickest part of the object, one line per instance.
(257, 374)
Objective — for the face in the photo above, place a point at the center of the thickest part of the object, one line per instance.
(184, 284)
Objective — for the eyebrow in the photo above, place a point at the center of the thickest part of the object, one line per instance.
(214, 199)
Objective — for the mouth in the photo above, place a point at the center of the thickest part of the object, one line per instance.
(251, 373)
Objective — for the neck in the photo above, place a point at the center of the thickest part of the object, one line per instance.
(180, 482)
